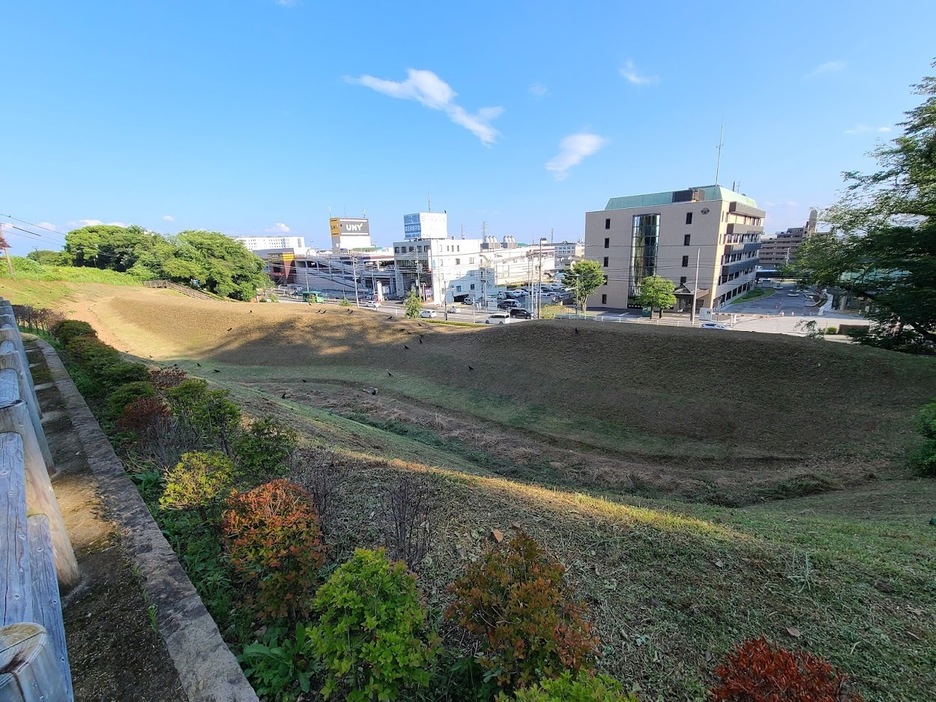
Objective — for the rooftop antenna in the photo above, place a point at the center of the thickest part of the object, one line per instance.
(721, 143)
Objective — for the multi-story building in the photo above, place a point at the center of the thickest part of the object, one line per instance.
(440, 269)
(570, 250)
(777, 250)
(349, 233)
(668, 234)
(257, 243)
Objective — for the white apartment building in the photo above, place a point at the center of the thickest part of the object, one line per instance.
(257, 243)
(665, 234)
(440, 269)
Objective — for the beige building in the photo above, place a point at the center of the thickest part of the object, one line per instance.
(778, 249)
(665, 233)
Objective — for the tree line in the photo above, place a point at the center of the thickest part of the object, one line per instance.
(205, 260)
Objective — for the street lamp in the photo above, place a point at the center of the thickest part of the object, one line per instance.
(539, 282)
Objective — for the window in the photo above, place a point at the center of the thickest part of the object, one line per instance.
(685, 239)
(682, 280)
(608, 223)
(471, 260)
(688, 218)
(472, 286)
(607, 243)
(646, 235)
(685, 261)
(604, 299)
(605, 261)
(458, 288)
(457, 261)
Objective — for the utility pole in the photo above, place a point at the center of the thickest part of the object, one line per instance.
(721, 143)
(357, 300)
(695, 289)
(539, 283)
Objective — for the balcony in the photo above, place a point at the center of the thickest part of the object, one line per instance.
(742, 209)
(742, 248)
(746, 265)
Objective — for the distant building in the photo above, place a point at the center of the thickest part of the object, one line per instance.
(571, 250)
(665, 234)
(778, 249)
(349, 233)
(425, 225)
(439, 269)
(257, 243)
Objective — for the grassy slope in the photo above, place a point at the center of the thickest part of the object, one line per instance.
(671, 584)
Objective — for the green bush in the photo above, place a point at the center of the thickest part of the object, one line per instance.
(565, 688)
(264, 449)
(280, 667)
(923, 455)
(201, 480)
(530, 626)
(68, 329)
(273, 539)
(371, 636)
(126, 394)
(206, 419)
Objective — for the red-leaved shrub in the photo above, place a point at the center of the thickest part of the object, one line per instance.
(274, 543)
(756, 671)
(530, 626)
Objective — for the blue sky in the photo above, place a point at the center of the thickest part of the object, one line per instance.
(247, 116)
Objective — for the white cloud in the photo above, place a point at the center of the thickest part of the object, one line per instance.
(168, 218)
(279, 227)
(538, 90)
(864, 129)
(572, 149)
(426, 88)
(287, 3)
(630, 73)
(826, 68)
(49, 225)
(89, 222)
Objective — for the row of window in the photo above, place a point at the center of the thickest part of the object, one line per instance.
(608, 222)
(687, 241)
(424, 248)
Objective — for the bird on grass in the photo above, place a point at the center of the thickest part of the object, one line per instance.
(470, 368)
(304, 380)
(230, 328)
(215, 370)
(390, 374)
(249, 311)
(406, 347)
(576, 330)
(390, 317)
(350, 311)
(284, 395)
(198, 364)
(420, 339)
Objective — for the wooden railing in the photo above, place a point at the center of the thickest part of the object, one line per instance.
(191, 292)
(36, 554)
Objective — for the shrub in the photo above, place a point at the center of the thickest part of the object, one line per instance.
(125, 395)
(371, 635)
(274, 544)
(405, 522)
(68, 329)
(566, 688)
(199, 481)
(265, 448)
(321, 474)
(148, 418)
(758, 672)
(530, 626)
(280, 666)
(165, 378)
(923, 456)
(206, 419)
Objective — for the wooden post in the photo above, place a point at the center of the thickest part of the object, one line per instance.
(30, 671)
(15, 362)
(40, 498)
(47, 607)
(15, 599)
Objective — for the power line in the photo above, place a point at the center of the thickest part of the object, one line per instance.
(37, 226)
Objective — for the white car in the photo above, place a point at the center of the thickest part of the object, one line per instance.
(427, 313)
(712, 325)
(498, 318)
(372, 304)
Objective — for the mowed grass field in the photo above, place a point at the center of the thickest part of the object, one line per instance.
(701, 487)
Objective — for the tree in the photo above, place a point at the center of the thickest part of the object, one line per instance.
(883, 248)
(46, 257)
(412, 305)
(583, 278)
(108, 246)
(656, 293)
(219, 264)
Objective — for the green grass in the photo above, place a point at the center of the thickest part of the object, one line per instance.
(27, 269)
(754, 294)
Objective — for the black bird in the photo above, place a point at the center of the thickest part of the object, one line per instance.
(198, 364)
(230, 328)
(576, 330)
(215, 370)
(284, 395)
(249, 311)
(304, 380)
(406, 347)
(390, 374)
(390, 317)
(350, 311)
(470, 368)
(420, 340)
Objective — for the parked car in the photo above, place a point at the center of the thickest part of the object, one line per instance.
(498, 318)
(468, 300)
(452, 309)
(712, 325)
(508, 304)
(373, 304)
(427, 313)
(520, 313)
(792, 294)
